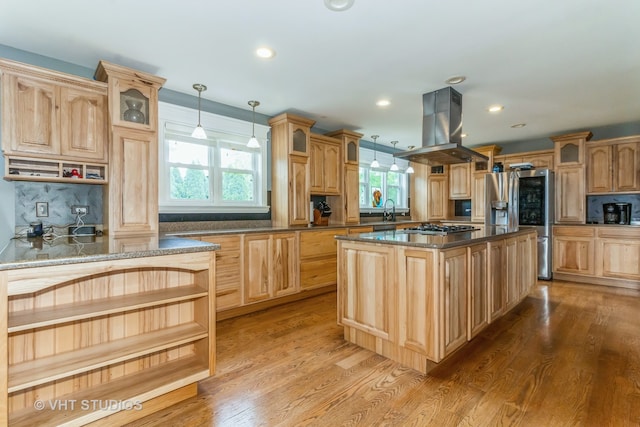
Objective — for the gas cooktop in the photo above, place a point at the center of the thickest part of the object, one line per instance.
(439, 229)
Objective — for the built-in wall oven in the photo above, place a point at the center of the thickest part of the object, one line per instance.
(536, 208)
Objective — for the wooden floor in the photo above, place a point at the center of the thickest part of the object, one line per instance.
(568, 355)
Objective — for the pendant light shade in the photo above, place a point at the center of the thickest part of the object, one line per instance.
(199, 132)
(394, 167)
(375, 163)
(253, 142)
(410, 168)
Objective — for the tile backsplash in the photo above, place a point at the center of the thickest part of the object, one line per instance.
(59, 198)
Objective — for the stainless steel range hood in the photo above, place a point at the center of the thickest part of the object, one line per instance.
(441, 131)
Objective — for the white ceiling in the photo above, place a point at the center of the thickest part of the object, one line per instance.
(554, 65)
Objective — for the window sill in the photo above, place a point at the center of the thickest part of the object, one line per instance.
(216, 209)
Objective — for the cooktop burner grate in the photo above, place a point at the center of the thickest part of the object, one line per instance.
(439, 229)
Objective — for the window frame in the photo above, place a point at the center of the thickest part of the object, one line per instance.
(225, 127)
(385, 160)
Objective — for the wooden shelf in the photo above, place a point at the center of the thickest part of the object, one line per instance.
(140, 386)
(44, 170)
(62, 365)
(41, 317)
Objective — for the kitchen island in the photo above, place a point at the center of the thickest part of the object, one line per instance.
(418, 298)
(99, 328)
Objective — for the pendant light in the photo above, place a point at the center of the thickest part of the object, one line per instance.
(375, 163)
(199, 132)
(410, 168)
(253, 142)
(394, 167)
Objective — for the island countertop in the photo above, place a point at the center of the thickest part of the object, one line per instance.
(404, 238)
(36, 252)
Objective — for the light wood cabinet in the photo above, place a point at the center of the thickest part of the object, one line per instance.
(570, 194)
(346, 207)
(290, 148)
(49, 115)
(453, 273)
(444, 296)
(418, 303)
(437, 197)
(318, 258)
(478, 298)
(367, 299)
(573, 250)
(325, 165)
(613, 165)
(603, 255)
(618, 253)
(512, 286)
(569, 149)
(540, 159)
(478, 189)
(460, 181)
(497, 278)
(132, 208)
(228, 270)
(299, 196)
(270, 266)
(135, 329)
(351, 194)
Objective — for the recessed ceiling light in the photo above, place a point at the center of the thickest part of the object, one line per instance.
(265, 52)
(455, 80)
(519, 125)
(464, 135)
(383, 103)
(496, 108)
(338, 5)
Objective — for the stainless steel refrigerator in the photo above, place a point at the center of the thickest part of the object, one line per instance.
(536, 208)
(524, 197)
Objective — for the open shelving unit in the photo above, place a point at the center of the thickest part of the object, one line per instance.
(35, 169)
(128, 330)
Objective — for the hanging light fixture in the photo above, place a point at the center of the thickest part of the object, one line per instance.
(199, 132)
(394, 167)
(410, 168)
(253, 142)
(375, 163)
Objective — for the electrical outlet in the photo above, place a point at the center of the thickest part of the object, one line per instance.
(79, 209)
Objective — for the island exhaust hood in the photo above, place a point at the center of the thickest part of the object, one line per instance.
(441, 131)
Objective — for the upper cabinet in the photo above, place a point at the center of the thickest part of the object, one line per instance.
(52, 115)
(133, 157)
(325, 165)
(570, 177)
(460, 181)
(350, 142)
(290, 149)
(613, 165)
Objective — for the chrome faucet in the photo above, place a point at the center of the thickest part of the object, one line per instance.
(389, 216)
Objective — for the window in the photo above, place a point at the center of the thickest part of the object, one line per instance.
(378, 185)
(217, 174)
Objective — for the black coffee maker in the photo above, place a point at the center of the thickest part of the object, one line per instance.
(617, 213)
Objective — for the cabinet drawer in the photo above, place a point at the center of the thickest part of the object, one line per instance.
(319, 243)
(574, 231)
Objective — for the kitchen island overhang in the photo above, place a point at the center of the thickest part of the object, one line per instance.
(416, 299)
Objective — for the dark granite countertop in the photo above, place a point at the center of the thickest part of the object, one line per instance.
(401, 237)
(36, 252)
(212, 232)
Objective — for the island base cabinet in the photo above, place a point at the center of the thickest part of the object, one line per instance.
(104, 337)
(418, 305)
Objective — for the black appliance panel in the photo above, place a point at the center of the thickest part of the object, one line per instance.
(531, 201)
